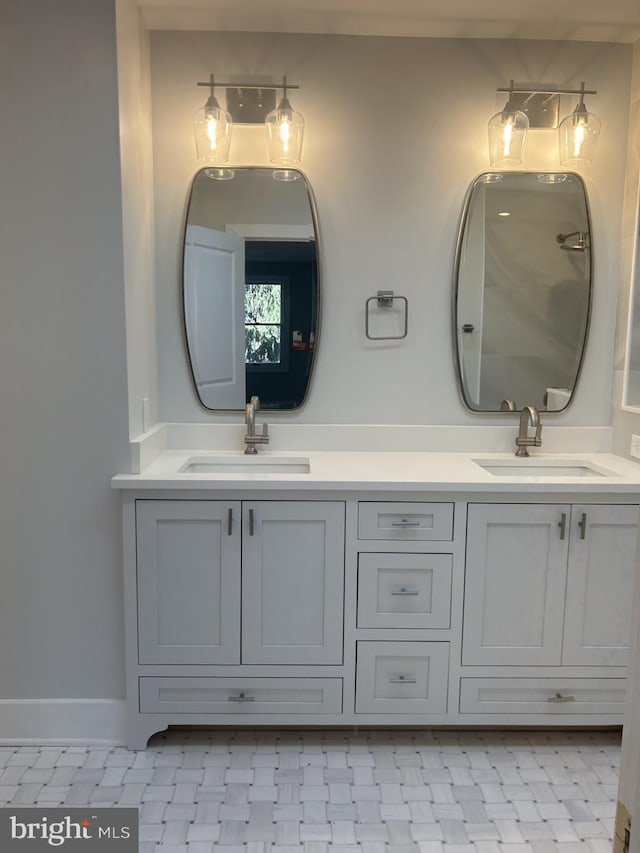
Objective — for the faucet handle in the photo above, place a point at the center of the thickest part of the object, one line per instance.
(265, 430)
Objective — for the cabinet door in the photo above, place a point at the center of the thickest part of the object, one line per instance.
(188, 581)
(292, 582)
(514, 583)
(600, 585)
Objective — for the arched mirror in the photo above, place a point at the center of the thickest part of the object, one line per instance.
(251, 287)
(522, 290)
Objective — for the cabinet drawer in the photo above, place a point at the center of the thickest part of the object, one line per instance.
(542, 695)
(405, 521)
(241, 695)
(402, 678)
(404, 590)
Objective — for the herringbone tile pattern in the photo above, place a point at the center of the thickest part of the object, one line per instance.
(340, 791)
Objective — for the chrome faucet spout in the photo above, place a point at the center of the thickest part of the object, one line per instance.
(528, 416)
(251, 439)
(250, 417)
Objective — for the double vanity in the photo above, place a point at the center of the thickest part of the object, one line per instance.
(326, 580)
(377, 588)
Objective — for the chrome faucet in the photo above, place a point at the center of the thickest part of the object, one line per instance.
(251, 439)
(529, 415)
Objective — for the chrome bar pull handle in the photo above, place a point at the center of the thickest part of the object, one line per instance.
(404, 591)
(405, 523)
(558, 698)
(401, 679)
(241, 697)
(252, 524)
(562, 524)
(582, 524)
(229, 521)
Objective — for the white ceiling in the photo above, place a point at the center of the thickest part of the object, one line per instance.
(583, 20)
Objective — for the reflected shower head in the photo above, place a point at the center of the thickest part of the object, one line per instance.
(578, 245)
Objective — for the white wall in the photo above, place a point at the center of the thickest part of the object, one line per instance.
(137, 211)
(396, 130)
(63, 418)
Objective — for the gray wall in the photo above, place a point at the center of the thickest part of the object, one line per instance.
(63, 385)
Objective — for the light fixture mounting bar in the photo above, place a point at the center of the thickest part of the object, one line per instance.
(543, 90)
(251, 103)
(270, 87)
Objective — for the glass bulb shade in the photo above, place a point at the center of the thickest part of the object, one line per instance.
(285, 129)
(507, 135)
(212, 132)
(220, 174)
(578, 137)
(285, 175)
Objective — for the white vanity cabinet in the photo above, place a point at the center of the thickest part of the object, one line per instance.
(195, 557)
(600, 580)
(238, 611)
(188, 558)
(514, 584)
(292, 582)
(548, 588)
(404, 582)
(549, 584)
(325, 607)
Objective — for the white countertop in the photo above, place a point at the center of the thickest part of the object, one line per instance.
(390, 471)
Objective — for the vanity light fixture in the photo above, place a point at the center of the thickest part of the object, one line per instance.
(578, 134)
(250, 103)
(507, 133)
(538, 107)
(285, 129)
(212, 129)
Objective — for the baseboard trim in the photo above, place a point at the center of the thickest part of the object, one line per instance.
(59, 722)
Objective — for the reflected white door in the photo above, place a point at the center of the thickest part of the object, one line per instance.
(214, 315)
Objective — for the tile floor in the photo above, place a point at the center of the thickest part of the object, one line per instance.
(340, 791)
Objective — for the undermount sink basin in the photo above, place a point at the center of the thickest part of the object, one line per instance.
(246, 465)
(541, 468)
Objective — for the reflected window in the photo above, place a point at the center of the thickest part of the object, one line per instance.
(266, 310)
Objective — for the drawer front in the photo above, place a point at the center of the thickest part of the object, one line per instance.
(402, 678)
(407, 522)
(241, 695)
(404, 590)
(542, 696)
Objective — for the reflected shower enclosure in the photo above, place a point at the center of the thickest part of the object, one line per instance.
(522, 291)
